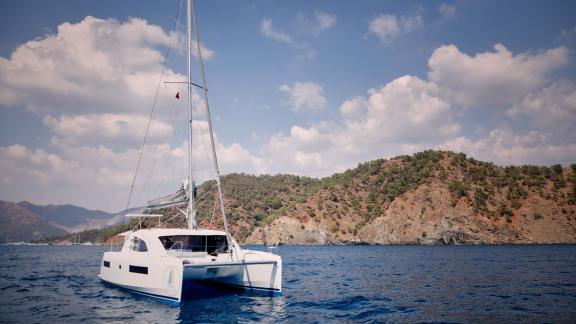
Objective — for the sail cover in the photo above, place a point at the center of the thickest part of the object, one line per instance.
(178, 198)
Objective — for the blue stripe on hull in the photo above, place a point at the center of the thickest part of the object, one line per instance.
(201, 289)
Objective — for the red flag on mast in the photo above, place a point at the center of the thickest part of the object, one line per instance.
(178, 95)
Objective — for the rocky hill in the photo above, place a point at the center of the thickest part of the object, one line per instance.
(20, 224)
(430, 197)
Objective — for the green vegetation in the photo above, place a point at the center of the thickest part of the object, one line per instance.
(572, 198)
(352, 199)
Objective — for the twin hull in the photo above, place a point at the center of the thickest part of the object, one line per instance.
(167, 277)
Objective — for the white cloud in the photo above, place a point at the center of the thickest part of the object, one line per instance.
(389, 27)
(325, 20)
(403, 116)
(93, 66)
(447, 11)
(99, 177)
(105, 129)
(354, 108)
(492, 78)
(304, 96)
(504, 147)
(320, 23)
(552, 108)
(268, 30)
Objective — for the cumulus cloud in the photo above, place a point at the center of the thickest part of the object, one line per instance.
(403, 116)
(92, 83)
(504, 147)
(96, 120)
(447, 10)
(552, 108)
(389, 27)
(496, 78)
(98, 177)
(105, 129)
(304, 96)
(91, 66)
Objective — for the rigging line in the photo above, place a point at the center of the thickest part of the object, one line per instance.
(157, 153)
(205, 92)
(207, 192)
(166, 54)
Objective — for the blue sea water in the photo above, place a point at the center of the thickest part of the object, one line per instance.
(521, 283)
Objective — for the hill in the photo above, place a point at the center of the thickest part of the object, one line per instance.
(431, 197)
(20, 224)
(25, 221)
(70, 217)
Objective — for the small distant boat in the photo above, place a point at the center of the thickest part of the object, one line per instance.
(169, 263)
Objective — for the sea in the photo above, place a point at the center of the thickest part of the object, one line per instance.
(323, 284)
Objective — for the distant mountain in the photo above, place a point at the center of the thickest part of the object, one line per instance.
(18, 223)
(69, 216)
(25, 221)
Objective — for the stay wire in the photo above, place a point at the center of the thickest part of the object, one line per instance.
(166, 55)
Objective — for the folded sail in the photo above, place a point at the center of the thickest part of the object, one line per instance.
(178, 198)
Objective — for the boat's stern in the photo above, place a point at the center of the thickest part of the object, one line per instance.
(263, 272)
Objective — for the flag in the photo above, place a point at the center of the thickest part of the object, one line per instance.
(178, 95)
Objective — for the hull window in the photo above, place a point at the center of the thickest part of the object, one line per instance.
(137, 269)
(107, 264)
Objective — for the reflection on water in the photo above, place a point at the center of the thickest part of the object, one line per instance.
(328, 283)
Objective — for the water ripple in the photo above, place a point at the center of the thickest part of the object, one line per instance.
(321, 284)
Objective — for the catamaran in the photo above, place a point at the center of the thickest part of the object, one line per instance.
(170, 263)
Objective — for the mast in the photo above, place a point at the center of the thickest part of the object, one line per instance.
(205, 95)
(191, 214)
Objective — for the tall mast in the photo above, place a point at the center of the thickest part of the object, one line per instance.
(205, 94)
(191, 214)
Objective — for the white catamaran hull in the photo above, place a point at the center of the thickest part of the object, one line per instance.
(170, 279)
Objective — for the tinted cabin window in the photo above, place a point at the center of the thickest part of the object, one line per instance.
(216, 243)
(107, 264)
(139, 245)
(195, 243)
(137, 269)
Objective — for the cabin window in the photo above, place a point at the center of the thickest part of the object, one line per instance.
(216, 243)
(107, 264)
(195, 243)
(139, 245)
(138, 269)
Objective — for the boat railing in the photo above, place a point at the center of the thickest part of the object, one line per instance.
(273, 248)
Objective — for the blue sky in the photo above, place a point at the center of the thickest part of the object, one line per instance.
(302, 87)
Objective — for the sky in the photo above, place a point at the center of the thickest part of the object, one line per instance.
(300, 87)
